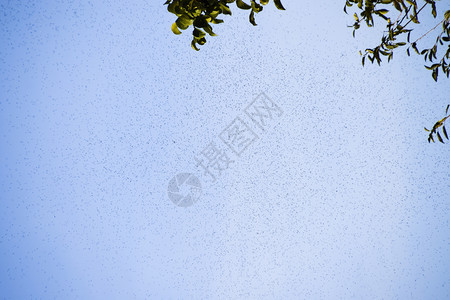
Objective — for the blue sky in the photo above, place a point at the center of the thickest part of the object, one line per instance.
(101, 106)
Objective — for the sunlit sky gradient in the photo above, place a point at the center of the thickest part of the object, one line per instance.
(101, 105)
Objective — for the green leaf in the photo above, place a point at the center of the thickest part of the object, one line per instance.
(440, 139)
(434, 66)
(433, 9)
(242, 5)
(414, 46)
(252, 18)
(171, 8)
(194, 46)
(397, 6)
(278, 4)
(208, 29)
(225, 9)
(435, 74)
(201, 41)
(198, 33)
(414, 19)
(445, 132)
(426, 129)
(256, 7)
(382, 11)
(215, 13)
(184, 22)
(447, 15)
(390, 56)
(175, 29)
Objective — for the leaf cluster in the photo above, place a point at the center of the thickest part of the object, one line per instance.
(429, 54)
(435, 129)
(202, 13)
(398, 34)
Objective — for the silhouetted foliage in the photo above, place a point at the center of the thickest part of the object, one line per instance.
(435, 129)
(399, 32)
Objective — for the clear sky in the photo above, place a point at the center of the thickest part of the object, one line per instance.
(340, 196)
